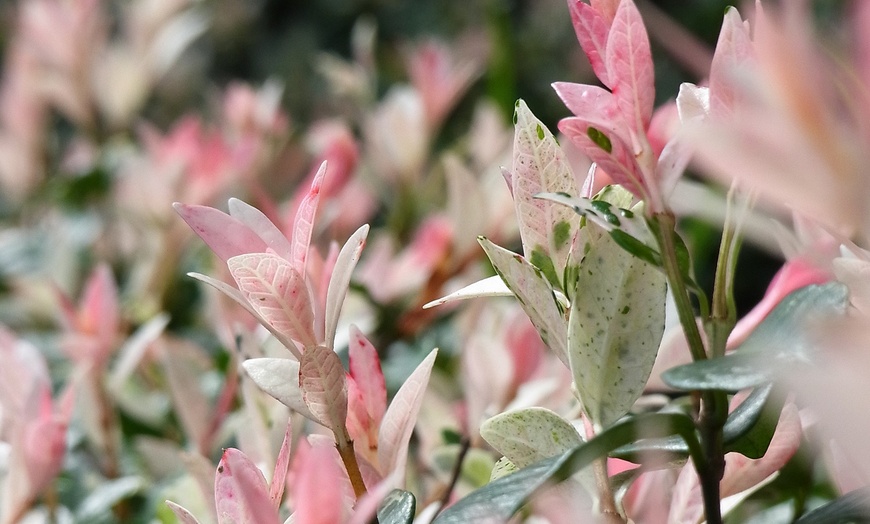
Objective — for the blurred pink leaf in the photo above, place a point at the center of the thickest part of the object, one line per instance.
(319, 488)
(592, 30)
(303, 225)
(534, 294)
(401, 417)
(324, 387)
(630, 67)
(733, 51)
(340, 280)
(278, 292)
(365, 369)
(241, 493)
(540, 166)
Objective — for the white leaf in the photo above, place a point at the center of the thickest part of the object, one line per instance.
(488, 287)
(279, 377)
(340, 280)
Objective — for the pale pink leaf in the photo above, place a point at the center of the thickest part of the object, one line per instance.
(340, 280)
(261, 225)
(365, 368)
(324, 387)
(237, 296)
(225, 235)
(277, 292)
(619, 163)
(99, 312)
(319, 488)
(630, 67)
(742, 473)
(693, 103)
(734, 52)
(672, 163)
(359, 423)
(282, 465)
(607, 8)
(488, 287)
(241, 493)
(593, 104)
(279, 377)
(592, 29)
(183, 516)
(401, 417)
(534, 294)
(540, 166)
(303, 225)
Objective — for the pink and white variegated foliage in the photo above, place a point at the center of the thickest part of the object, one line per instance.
(299, 303)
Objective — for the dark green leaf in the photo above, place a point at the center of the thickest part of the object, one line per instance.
(600, 139)
(750, 427)
(781, 340)
(502, 498)
(397, 508)
(851, 507)
(636, 247)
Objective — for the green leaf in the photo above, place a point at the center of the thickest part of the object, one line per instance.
(616, 323)
(503, 497)
(600, 139)
(528, 435)
(397, 508)
(784, 338)
(851, 507)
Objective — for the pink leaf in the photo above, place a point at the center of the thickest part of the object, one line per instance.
(540, 166)
(340, 280)
(359, 423)
(240, 491)
(99, 313)
(319, 488)
(277, 292)
(401, 417)
(324, 387)
(742, 473)
(263, 227)
(225, 235)
(619, 163)
(279, 476)
(240, 299)
(594, 104)
(365, 368)
(303, 225)
(534, 294)
(592, 29)
(733, 51)
(630, 67)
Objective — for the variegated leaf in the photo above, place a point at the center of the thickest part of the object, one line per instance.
(365, 368)
(615, 325)
(240, 299)
(401, 417)
(534, 294)
(262, 226)
(528, 435)
(540, 165)
(324, 387)
(277, 292)
(225, 235)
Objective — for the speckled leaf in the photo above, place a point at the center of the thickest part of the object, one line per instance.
(534, 294)
(539, 165)
(277, 292)
(502, 468)
(528, 435)
(615, 326)
(324, 386)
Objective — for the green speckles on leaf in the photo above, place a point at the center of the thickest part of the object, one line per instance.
(561, 233)
(600, 139)
(528, 435)
(540, 131)
(625, 310)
